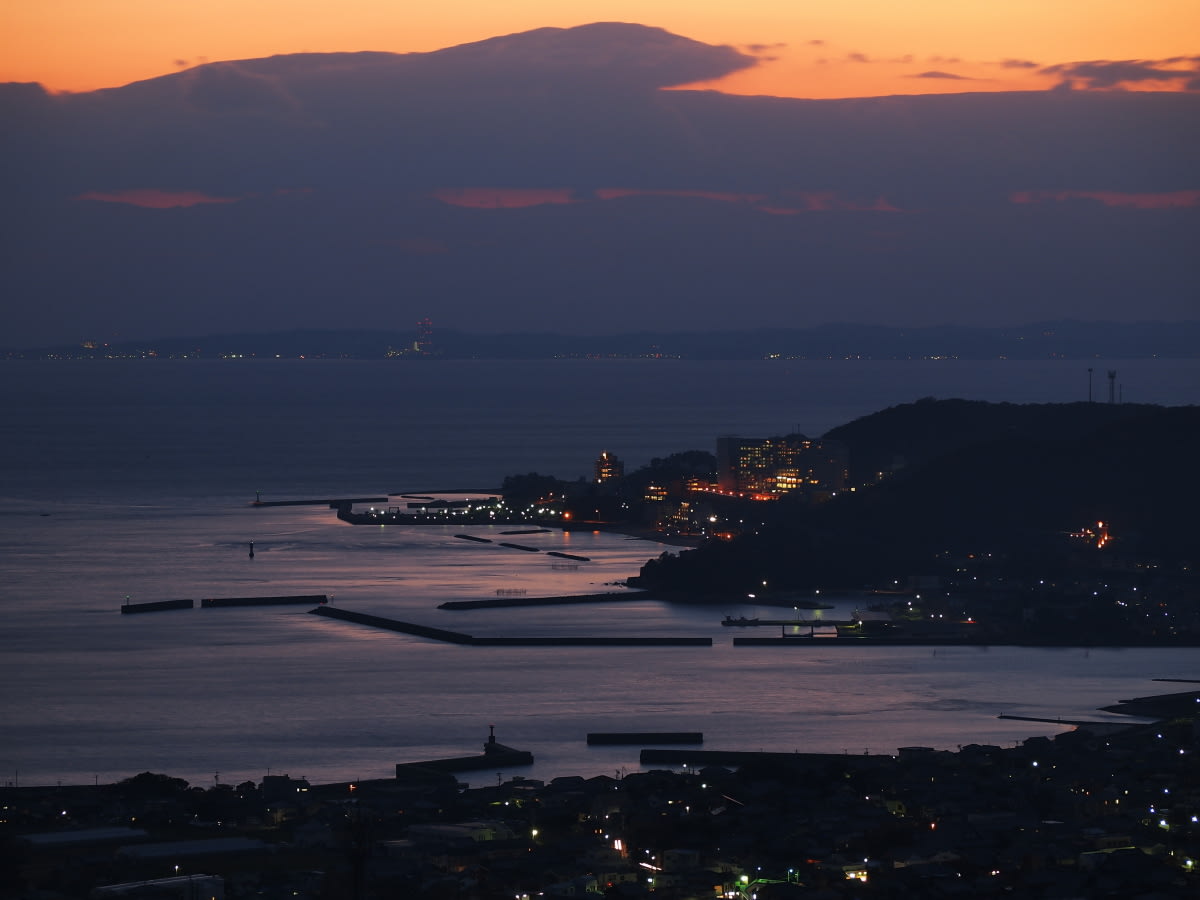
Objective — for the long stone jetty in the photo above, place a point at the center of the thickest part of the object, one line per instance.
(591, 642)
(645, 737)
(295, 599)
(495, 755)
(155, 606)
(671, 757)
(331, 503)
(500, 602)
(457, 637)
(437, 634)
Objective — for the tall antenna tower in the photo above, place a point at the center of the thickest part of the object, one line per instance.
(424, 342)
(1112, 385)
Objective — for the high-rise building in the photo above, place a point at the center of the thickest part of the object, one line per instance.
(608, 467)
(780, 465)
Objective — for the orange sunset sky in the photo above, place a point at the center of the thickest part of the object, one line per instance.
(835, 48)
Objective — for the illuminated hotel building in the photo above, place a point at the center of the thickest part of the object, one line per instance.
(780, 465)
(608, 467)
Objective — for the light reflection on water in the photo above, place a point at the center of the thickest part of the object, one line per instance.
(241, 690)
(133, 479)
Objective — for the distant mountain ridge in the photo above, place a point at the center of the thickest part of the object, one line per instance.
(1039, 340)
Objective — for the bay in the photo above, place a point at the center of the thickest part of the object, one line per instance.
(133, 478)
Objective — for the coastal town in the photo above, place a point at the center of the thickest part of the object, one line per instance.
(1101, 810)
(961, 522)
(1104, 808)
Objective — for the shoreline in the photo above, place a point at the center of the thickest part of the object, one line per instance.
(1159, 708)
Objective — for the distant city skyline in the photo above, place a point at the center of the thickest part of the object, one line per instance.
(1066, 340)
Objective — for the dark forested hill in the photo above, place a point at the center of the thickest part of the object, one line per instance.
(982, 478)
(912, 434)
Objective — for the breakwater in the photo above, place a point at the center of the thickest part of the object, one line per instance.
(296, 599)
(591, 642)
(697, 758)
(932, 641)
(539, 601)
(457, 637)
(495, 755)
(501, 759)
(437, 634)
(155, 606)
(331, 503)
(644, 737)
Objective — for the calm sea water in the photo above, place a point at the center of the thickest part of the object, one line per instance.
(133, 478)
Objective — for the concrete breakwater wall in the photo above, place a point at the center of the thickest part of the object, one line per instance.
(437, 634)
(155, 606)
(500, 602)
(499, 759)
(645, 737)
(296, 599)
(591, 642)
(495, 755)
(211, 602)
(457, 637)
(682, 757)
(331, 503)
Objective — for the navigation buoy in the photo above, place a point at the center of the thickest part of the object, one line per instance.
(252, 549)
